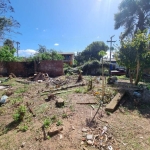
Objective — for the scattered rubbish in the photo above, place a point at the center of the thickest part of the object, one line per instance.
(3, 99)
(110, 148)
(104, 130)
(89, 137)
(100, 138)
(89, 142)
(137, 94)
(40, 81)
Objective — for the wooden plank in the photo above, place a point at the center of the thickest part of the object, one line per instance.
(114, 102)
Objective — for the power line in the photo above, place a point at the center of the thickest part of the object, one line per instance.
(111, 41)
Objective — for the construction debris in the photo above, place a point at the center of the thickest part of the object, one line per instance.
(100, 138)
(114, 102)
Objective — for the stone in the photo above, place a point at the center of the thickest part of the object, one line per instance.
(90, 142)
(89, 137)
(60, 136)
(82, 142)
(59, 102)
(55, 130)
(84, 130)
(23, 144)
(73, 128)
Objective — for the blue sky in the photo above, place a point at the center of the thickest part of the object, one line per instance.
(64, 25)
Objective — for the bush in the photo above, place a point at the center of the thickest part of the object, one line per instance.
(20, 113)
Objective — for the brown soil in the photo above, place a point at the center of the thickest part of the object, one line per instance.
(128, 126)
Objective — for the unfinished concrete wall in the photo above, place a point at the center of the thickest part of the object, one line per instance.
(53, 68)
(25, 69)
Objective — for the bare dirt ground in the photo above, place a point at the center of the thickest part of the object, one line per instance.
(128, 128)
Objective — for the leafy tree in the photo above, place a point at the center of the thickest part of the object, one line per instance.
(133, 15)
(91, 52)
(6, 54)
(9, 43)
(135, 53)
(42, 49)
(6, 23)
(45, 54)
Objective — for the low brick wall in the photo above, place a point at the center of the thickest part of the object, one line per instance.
(25, 69)
(53, 68)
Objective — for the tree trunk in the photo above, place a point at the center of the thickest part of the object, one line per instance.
(137, 73)
(131, 76)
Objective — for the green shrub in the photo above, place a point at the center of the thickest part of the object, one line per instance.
(47, 123)
(20, 113)
(24, 128)
(59, 122)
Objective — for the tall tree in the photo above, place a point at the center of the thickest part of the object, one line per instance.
(133, 15)
(91, 51)
(135, 54)
(6, 23)
(9, 43)
(6, 54)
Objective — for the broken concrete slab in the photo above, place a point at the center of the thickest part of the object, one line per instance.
(114, 102)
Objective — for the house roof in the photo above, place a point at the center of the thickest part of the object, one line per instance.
(69, 53)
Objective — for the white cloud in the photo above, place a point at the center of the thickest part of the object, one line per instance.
(37, 28)
(56, 44)
(27, 52)
(44, 30)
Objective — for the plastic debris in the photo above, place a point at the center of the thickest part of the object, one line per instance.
(3, 99)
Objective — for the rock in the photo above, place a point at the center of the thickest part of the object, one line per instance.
(55, 130)
(23, 144)
(82, 142)
(73, 128)
(59, 102)
(84, 130)
(90, 142)
(89, 137)
(60, 136)
(84, 148)
(3, 99)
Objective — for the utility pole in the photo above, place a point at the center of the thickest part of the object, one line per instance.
(17, 48)
(111, 41)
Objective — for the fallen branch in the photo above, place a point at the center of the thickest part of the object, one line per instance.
(30, 110)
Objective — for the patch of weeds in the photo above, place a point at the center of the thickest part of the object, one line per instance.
(20, 113)
(64, 115)
(59, 122)
(54, 118)
(23, 128)
(47, 123)
(78, 90)
(72, 108)
(21, 89)
(42, 108)
(48, 137)
(14, 101)
(108, 113)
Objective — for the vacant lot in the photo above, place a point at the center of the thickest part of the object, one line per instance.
(128, 128)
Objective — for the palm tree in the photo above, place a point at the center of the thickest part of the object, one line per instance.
(133, 15)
